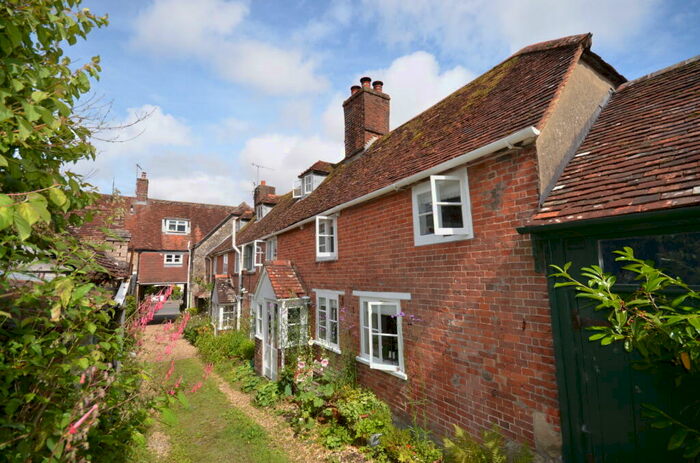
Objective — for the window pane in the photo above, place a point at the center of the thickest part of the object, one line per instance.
(448, 191)
(334, 333)
(425, 202)
(334, 310)
(322, 244)
(294, 315)
(365, 343)
(676, 254)
(389, 324)
(376, 351)
(427, 226)
(389, 349)
(451, 217)
(330, 243)
(322, 227)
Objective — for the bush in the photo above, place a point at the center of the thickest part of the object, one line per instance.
(406, 446)
(226, 346)
(335, 436)
(363, 413)
(196, 327)
(266, 394)
(464, 449)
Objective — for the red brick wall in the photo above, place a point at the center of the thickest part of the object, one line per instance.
(483, 352)
(152, 270)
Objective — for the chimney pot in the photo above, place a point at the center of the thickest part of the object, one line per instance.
(377, 85)
(262, 182)
(354, 89)
(261, 191)
(365, 81)
(143, 174)
(366, 115)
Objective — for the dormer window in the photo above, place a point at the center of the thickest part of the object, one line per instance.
(261, 210)
(176, 226)
(308, 184)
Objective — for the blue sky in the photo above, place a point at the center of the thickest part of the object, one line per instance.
(230, 83)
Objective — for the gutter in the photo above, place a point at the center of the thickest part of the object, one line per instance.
(521, 136)
(189, 273)
(240, 275)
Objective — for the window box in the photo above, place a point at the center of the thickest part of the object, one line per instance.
(442, 210)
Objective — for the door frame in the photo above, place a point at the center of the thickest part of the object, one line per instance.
(270, 346)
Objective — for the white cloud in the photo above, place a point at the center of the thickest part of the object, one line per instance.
(206, 30)
(180, 26)
(230, 129)
(200, 187)
(478, 26)
(286, 157)
(274, 70)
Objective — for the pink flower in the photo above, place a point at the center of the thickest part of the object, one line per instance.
(73, 428)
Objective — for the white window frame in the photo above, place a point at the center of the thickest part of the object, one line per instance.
(308, 184)
(297, 188)
(176, 259)
(177, 223)
(443, 234)
(271, 248)
(259, 319)
(325, 341)
(249, 248)
(259, 253)
(261, 210)
(327, 255)
(303, 325)
(376, 300)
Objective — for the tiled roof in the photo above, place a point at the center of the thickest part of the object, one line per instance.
(318, 167)
(269, 199)
(145, 223)
(225, 292)
(642, 154)
(512, 96)
(284, 279)
(225, 245)
(115, 268)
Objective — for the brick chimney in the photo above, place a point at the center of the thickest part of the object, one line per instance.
(261, 191)
(366, 115)
(142, 188)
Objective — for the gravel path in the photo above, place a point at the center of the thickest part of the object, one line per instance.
(157, 348)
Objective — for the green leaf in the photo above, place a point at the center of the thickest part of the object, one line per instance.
(30, 112)
(83, 363)
(39, 96)
(6, 211)
(27, 212)
(3, 161)
(5, 112)
(64, 289)
(677, 438)
(21, 226)
(57, 197)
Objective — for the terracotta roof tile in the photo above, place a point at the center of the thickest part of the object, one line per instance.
(319, 167)
(284, 279)
(642, 154)
(512, 96)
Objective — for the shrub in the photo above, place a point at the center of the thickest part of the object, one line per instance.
(196, 327)
(464, 449)
(266, 394)
(406, 446)
(225, 346)
(335, 436)
(363, 413)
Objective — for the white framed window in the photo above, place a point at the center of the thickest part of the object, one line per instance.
(248, 257)
(271, 248)
(176, 226)
(381, 335)
(297, 189)
(225, 262)
(327, 319)
(258, 319)
(259, 252)
(172, 260)
(297, 325)
(308, 184)
(261, 210)
(236, 263)
(326, 238)
(441, 209)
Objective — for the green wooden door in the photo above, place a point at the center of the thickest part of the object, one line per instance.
(601, 394)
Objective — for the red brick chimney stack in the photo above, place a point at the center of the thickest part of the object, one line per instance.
(142, 188)
(366, 115)
(261, 191)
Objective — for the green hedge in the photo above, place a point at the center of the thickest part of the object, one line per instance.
(224, 346)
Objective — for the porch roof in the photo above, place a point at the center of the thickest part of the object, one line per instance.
(284, 279)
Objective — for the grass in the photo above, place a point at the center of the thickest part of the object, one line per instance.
(210, 429)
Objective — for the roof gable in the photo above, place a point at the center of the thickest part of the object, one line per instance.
(642, 154)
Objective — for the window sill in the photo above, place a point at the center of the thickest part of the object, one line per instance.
(326, 259)
(172, 265)
(257, 336)
(398, 374)
(327, 346)
(176, 233)
(425, 240)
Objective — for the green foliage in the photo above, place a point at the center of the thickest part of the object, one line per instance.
(335, 436)
(197, 326)
(660, 320)
(224, 346)
(266, 394)
(363, 413)
(462, 448)
(404, 446)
